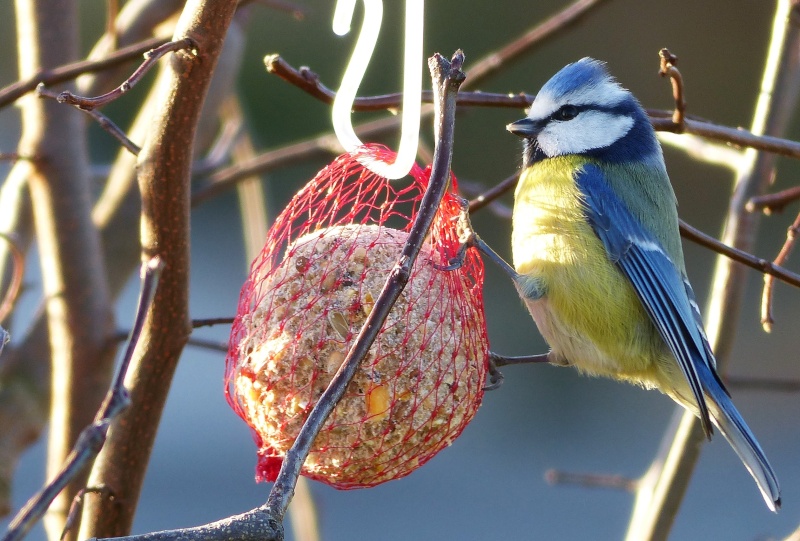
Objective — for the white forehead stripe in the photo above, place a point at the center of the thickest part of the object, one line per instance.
(607, 94)
(588, 131)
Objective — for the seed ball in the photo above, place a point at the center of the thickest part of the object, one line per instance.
(418, 387)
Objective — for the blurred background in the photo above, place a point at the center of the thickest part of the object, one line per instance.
(490, 483)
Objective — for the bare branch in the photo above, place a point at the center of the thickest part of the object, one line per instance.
(774, 202)
(590, 480)
(767, 318)
(15, 284)
(150, 58)
(307, 80)
(197, 323)
(772, 385)
(106, 123)
(764, 266)
(68, 72)
(669, 69)
(79, 313)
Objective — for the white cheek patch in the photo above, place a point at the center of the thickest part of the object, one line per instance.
(589, 130)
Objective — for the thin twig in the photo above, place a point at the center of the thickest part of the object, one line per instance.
(493, 193)
(308, 81)
(112, 11)
(767, 318)
(542, 31)
(764, 266)
(669, 69)
(774, 202)
(208, 322)
(92, 438)
(150, 58)
(105, 123)
(68, 72)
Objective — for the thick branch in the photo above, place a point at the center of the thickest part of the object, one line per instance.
(164, 176)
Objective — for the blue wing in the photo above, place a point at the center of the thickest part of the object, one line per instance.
(663, 290)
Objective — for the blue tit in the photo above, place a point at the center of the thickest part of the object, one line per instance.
(598, 255)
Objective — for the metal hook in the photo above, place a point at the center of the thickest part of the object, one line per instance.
(353, 75)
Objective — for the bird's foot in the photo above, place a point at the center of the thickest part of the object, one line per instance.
(495, 360)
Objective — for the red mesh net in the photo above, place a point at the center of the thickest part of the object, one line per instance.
(308, 294)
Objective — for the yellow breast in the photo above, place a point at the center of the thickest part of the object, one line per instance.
(590, 313)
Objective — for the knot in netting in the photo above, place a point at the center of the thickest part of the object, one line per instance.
(308, 293)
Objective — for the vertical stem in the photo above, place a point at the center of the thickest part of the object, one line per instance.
(164, 169)
(80, 319)
(659, 497)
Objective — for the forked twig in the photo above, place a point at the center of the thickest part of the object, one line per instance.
(150, 58)
(105, 123)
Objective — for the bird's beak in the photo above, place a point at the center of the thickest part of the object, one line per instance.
(525, 127)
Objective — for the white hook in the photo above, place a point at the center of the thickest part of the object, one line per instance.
(412, 81)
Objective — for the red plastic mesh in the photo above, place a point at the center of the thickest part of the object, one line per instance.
(306, 297)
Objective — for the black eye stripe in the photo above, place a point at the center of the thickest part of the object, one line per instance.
(578, 109)
(565, 112)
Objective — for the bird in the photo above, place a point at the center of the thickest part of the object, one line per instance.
(597, 255)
